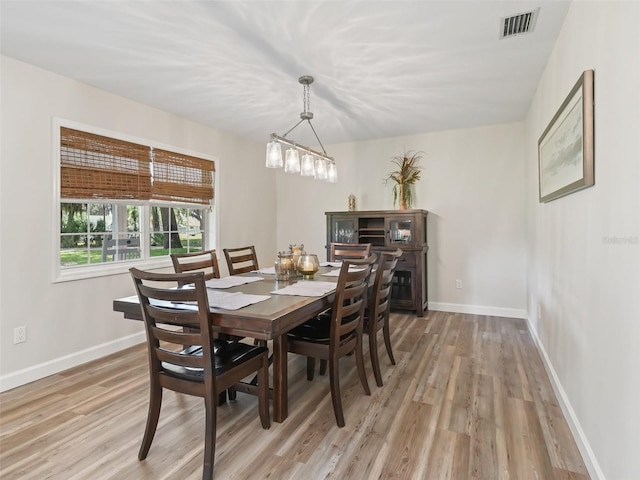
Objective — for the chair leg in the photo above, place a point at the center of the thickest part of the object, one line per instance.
(387, 340)
(232, 393)
(263, 394)
(209, 436)
(375, 361)
(311, 366)
(323, 367)
(360, 365)
(155, 402)
(334, 381)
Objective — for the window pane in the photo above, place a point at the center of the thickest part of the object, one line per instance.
(175, 230)
(108, 233)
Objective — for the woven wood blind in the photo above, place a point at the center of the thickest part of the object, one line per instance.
(182, 178)
(93, 166)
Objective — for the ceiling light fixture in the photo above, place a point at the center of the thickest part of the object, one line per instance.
(314, 164)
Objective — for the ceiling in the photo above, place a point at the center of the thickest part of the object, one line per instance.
(381, 68)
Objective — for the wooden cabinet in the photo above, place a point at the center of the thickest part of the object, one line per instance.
(388, 230)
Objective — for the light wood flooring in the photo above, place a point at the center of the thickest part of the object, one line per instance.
(468, 399)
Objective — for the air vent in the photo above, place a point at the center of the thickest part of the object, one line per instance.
(518, 24)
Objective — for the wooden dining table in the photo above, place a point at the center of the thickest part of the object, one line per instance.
(267, 320)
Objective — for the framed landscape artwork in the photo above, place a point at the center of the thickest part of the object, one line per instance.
(565, 149)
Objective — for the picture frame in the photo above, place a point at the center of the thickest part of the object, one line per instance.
(566, 147)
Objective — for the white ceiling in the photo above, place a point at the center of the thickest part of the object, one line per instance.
(381, 68)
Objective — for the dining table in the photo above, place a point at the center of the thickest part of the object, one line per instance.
(269, 319)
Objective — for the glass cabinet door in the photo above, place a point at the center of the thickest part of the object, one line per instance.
(344, 230)
(400, 231)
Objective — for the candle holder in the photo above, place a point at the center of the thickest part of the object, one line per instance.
(285, 267)
(308, 265)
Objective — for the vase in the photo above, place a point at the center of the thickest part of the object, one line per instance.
(402, 199)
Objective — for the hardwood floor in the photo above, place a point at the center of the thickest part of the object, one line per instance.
(468, 399)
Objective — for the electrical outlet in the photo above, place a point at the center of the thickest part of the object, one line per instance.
(20, 334)
(458, 283)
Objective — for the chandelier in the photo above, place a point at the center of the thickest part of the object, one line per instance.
(313, 163)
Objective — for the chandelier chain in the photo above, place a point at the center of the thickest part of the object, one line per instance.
(306, 98)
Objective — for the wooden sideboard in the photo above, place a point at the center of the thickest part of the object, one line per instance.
(388, 230)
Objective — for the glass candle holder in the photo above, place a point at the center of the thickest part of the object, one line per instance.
(308, 265)
(284, 266)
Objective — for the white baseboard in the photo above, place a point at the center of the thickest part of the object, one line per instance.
(36, 372)
(591, 463)
(478, 310)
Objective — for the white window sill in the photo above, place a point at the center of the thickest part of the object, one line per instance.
(105, 269)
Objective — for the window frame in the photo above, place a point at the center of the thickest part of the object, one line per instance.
(80, 272)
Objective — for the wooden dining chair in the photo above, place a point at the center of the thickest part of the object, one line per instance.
(348, 251)
(331, 337)
(205, 261)
(241, 260)
(204, 367)
(376, 315)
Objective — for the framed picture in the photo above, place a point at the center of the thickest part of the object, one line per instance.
(565, 149)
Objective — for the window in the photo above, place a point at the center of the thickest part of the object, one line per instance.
(127, 202)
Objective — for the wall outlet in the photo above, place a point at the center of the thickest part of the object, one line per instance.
(20, 334)
(458, 283)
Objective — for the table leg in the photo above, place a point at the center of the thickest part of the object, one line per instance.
(280, 384)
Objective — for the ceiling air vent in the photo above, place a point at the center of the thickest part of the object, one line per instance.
(518, 24)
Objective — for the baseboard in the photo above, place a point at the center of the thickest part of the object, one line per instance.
(590, 461)
(478, 310)
(36, 372)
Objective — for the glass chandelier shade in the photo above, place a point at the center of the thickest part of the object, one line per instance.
(332, 173)
(274, 155)
(321, 169)
(292, 161)
(307, 168)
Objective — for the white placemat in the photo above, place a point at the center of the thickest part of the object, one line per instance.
(231, 281)
(233, 301)
(336, 272)
(307, 288)
(267, 270)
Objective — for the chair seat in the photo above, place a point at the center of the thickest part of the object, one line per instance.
(227, 355)
(318, 329)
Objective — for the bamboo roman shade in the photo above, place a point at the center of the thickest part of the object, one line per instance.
(181, 178)
(95, 166)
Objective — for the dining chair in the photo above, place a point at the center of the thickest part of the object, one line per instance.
(376, 315)
(120, 249)
(204, 367)
(339, 333)
(348, 251)
(241, 260)
(205, 261)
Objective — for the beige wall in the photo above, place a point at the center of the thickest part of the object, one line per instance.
(473, 186)
(584, 249)
(71, 322)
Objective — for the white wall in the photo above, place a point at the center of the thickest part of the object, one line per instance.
(473, 187)
(584, 249)
(71, 322)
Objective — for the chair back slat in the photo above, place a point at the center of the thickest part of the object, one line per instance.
(241, 260)
(205, 261)
(181, 360)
